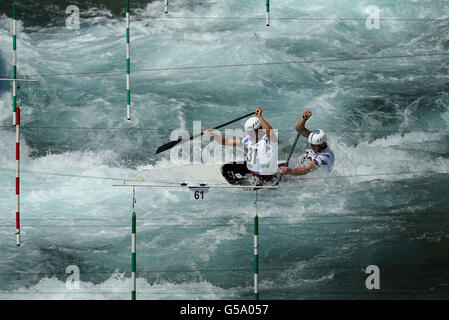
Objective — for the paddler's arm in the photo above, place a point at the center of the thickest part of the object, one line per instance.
(304, 132)
(222, 139)
(265, 125)
(312, 165)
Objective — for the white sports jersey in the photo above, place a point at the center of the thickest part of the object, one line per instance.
(262, 157)
(324, 158)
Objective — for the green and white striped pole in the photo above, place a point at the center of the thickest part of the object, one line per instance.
(133, 257)
(133, 251)
(256, 258)
(14, 64)
(128, 66)
(256, 254)
(268, 12)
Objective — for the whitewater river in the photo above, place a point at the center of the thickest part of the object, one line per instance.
(385, 204)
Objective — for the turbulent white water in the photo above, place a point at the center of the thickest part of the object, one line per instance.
(384, 204)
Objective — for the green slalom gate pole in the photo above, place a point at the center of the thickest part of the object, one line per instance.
(133, 252)
(256, 254)
(256, 258)
(133, 257)
(128, 66)
(268, 12)
(14, 64)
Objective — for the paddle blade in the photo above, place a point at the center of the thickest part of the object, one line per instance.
(168, 145)
(171, 144)
(278, 179)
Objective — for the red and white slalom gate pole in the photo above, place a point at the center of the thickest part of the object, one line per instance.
(17, 175)
(14, 64)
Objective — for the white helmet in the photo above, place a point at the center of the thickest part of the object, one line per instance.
(253, 123)
(317, 137)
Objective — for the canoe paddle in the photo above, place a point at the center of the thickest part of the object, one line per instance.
(299, 129)
(173, 143)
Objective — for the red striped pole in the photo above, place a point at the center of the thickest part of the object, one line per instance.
(17, 175)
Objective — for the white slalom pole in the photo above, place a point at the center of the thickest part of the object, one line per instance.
(166, 6)
(128, 66)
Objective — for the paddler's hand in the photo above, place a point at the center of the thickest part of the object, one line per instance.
(307, 114)
(284, 170)
(208, 131)
(258, 111)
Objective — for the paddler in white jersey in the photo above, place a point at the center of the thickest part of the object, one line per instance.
(262, 149)
(318, 156)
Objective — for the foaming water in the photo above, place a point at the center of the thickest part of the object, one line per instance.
(117, 288)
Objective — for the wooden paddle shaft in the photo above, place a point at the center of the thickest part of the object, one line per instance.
(299, 126)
